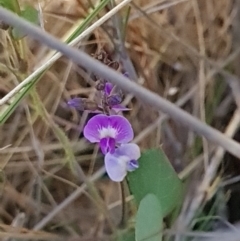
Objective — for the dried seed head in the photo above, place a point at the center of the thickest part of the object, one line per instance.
(100, 85)
(4, 26)
(114, 65)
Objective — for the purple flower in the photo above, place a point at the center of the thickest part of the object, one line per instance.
(108, 88)
(124, 159)
(114, 98)
(108, 131)
(76, 103)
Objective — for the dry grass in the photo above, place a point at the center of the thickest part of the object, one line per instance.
(171, 45)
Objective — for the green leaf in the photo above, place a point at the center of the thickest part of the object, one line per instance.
(149, 223)
(31, 15)
(15, 101)
(156, 175)
(11, 5)
(126, 235)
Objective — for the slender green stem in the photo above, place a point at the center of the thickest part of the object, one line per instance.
(122, 223)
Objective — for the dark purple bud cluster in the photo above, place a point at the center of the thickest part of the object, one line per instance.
(114, 100)
(109, 97)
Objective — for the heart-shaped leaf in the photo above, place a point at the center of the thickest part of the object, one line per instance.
(149, 222)
(156, 175)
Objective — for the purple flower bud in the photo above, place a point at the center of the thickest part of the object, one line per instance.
(108, 88)
(77, 103)
(114, 100)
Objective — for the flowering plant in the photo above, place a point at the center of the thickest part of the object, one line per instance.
(112, 131)
(155, 186)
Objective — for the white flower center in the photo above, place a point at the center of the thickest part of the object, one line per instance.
(107, 132)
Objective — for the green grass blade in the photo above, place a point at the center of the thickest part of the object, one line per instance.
(11, 5)
(7, 111)
(17, 98)
(87, 20)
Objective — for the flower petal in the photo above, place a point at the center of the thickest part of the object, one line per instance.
(115, 167)
(108, 88)
(122, 160)
(115, 126)
(131, 150)
(124, 129)
(95, 124)
(76, 103)
(107, 145)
